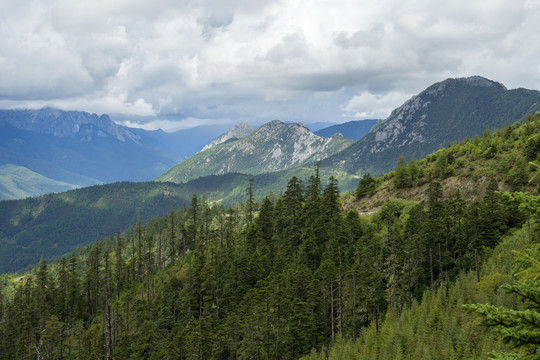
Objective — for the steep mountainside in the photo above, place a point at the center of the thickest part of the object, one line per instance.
(275, 146)
(77, 148)
(354, 130)
(236, 132)
(446, 111)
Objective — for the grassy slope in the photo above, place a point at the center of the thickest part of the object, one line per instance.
(18, 182)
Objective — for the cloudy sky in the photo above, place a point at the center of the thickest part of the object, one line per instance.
(180, 63)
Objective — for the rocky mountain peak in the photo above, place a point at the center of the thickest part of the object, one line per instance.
(274, 146)
(481, 81)
(408, 123)
(278, 129)
(238, 131)
(444, 112)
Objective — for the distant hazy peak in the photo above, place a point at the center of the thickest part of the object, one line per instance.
(238, 131)
(61, 123)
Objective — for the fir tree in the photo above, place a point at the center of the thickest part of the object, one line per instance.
(402, 176)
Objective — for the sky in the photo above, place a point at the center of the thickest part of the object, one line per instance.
(176, 64)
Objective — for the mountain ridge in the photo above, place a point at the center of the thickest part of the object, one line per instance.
(59, 123)
(274, 146)
(444, 112)
(77, 148)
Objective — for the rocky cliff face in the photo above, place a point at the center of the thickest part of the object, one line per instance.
(274, 146)
(411, 122)
(238, 131)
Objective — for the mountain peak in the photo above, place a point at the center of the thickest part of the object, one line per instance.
(446, 111)
(274, 146)
(238, 131)
(481, 81)
(471, 81)
(419, 112)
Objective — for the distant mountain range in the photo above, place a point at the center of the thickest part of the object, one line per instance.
(61, 150)
(354, 130)
(76, 148)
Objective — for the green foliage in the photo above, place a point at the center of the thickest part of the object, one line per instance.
(436, 325)
(402, 177)
(498, 154)
(366, 185)
(519, 327)
(56, 224)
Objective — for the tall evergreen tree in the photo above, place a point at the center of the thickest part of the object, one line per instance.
(402, 176)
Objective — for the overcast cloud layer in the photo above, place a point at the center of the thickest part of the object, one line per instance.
(194, 62)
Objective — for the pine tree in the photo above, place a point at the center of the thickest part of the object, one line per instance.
(366, 185)
(402, 177)
(434, 230)
(172, 248)
(490, 215)
(414, 170)
(119, 263)
(250, 202)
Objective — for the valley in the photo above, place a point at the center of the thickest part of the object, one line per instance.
(276, 242)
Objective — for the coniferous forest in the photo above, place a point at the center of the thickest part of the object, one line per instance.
(298, 274)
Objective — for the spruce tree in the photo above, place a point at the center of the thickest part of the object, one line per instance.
(366, 185)
(402, 177)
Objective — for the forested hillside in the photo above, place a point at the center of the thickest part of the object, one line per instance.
(507, 155)
(294, 274)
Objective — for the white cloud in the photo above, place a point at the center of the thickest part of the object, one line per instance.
(370, 106)
(171, 125)
(256, 60)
